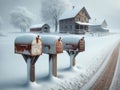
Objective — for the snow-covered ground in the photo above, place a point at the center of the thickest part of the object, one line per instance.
(13, 69)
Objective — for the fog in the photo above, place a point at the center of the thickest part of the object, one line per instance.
(103, 9)
(99, 9)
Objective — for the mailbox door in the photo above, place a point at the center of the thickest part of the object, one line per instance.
(82, 45)
(22, 49)
(36, 48)
(59, 47)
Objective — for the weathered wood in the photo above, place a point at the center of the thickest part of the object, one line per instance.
(81, 46)
(72, 55)
(31, 68)
(54, 58)
(53, 65)
(59, 46)
(50, 65)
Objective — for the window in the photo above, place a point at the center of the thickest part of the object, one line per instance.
(86, 27)
(81, 26)
(79, 19)
(76, 26)
(45, 28)
(66, 27)
(70, 26)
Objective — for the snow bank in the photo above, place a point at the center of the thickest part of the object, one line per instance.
(13, 68)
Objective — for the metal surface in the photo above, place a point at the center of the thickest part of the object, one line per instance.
(28, 45)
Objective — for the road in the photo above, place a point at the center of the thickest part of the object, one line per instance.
(106, 77)
(109, 78)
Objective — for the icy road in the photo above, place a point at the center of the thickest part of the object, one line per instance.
(109, 77)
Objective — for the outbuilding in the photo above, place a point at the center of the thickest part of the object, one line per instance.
(40, 28)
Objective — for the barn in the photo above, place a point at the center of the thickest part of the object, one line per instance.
(40, 28)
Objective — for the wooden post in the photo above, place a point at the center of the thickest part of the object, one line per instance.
(71, 59)
(50, 65)
(72, 55)
(54, 70)
(30, 60)
(74, 61)
(53, 65)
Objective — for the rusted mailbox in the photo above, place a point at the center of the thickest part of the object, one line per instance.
(73, 45)
(30, 47)
(52, 45)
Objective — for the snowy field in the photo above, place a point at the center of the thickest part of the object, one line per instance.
(13, 69)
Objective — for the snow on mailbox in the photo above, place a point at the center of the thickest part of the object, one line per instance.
(28, 45)
(52, 45)
(73, 45)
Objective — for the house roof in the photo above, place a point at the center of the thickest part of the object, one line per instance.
(38, 25)
(97, 22)
(83, 23)
(73, 12)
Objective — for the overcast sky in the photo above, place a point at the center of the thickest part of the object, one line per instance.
(99, 9)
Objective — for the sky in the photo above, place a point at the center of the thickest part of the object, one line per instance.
(98, 9)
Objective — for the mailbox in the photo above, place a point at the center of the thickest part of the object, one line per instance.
(73, 45)
(52, 45)
(28, 45)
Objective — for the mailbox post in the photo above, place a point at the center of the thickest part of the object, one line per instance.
(52, 45)
(30, 47)
(73, 45)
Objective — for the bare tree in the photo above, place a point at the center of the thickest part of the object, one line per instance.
(51, 11)
(21, 18)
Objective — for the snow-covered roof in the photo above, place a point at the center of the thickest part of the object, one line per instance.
(96, 21)
(83, 23)
(25, 39)
(37, 25)
(72, 13)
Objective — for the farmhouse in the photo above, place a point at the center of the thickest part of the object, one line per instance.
(74, 21)
(40, 28)
(98, 26)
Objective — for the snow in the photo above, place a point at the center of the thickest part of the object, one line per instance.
(70, 13)
(70, 39)
(115, 83)
(25, 39)
(51, 41)
(21, 18)
(13, 68)
(93, 23)
(28, 69)
(37, 25)
(83, 23)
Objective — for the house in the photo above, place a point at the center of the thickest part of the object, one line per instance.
(98, 26)
(40, 28)
(74, 21)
